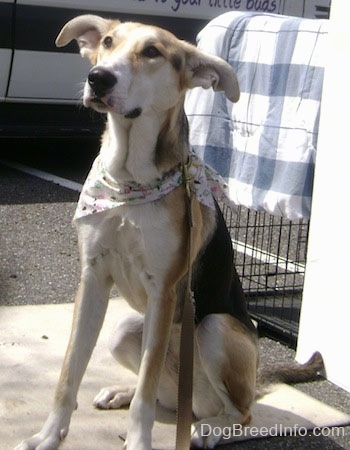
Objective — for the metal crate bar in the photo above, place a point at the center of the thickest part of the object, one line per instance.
(270, 257)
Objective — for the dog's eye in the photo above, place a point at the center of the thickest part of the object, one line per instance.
(107, 42)
(151, 52)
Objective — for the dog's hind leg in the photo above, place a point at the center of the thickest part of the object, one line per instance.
(229, 356)
(89, 311)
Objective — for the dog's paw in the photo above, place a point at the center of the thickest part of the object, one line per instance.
(202, 439)
(42, 441)
(53, 432)
(208, 433)
(114, 397)
(139, 446)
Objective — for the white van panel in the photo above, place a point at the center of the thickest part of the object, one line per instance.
(172, 8)
(31, 71)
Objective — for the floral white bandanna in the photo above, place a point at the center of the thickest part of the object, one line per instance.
(101, 192)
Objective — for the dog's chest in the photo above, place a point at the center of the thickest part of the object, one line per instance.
(135, 245)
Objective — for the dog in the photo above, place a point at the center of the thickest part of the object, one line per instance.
(132, 223)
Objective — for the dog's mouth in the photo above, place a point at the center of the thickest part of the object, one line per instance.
(97, 101)
(104, 105)
(133, 114)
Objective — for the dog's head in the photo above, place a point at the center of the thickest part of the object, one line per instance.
(137, 68)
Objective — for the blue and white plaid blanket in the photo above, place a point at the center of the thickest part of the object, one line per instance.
(264, 145)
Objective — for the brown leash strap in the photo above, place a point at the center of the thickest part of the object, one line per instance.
(185, 387)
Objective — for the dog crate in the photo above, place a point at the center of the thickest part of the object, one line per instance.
(270, 257)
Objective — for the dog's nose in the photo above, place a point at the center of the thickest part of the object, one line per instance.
(101, 80)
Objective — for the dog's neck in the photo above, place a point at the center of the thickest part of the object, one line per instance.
(144, 148)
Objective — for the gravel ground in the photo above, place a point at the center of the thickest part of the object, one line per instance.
(39, 264)
(39, 257)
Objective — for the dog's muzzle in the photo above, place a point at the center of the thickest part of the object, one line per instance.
(101, 81)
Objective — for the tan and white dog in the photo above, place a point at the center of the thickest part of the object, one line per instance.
(139, 78)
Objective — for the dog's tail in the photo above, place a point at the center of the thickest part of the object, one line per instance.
(289, 373)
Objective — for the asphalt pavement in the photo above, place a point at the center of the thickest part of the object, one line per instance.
(39, 264)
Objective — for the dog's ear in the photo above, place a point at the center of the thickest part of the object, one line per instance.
(87, 30)
(210, 71)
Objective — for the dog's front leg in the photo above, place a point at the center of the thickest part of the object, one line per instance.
(89, 312)
(155, 341)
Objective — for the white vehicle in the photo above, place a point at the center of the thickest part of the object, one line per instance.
(36, 77)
